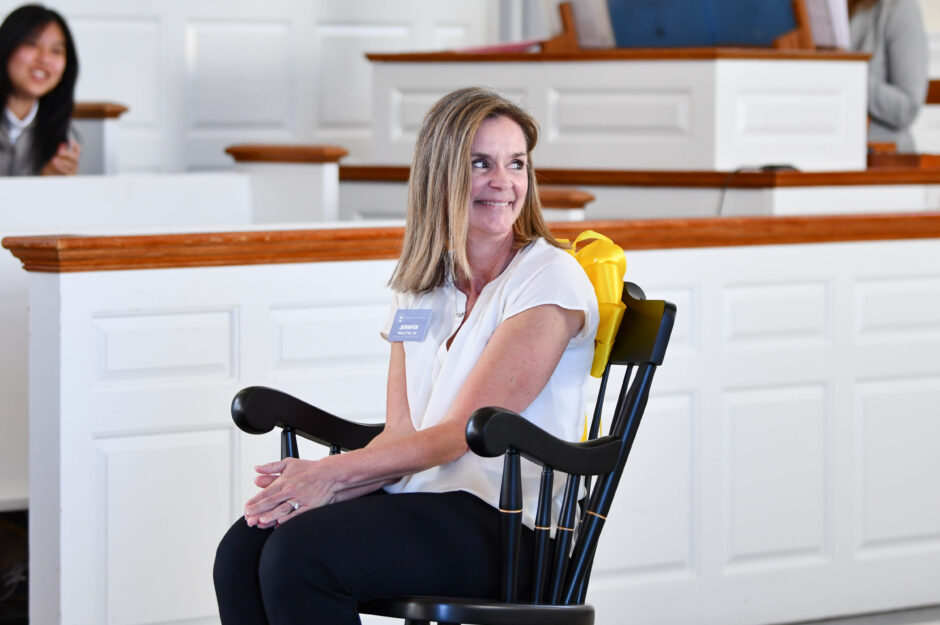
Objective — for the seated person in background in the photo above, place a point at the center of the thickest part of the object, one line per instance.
(510, 321)
(37, 85)
(892, 31)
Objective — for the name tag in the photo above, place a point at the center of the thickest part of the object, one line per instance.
(410, 325)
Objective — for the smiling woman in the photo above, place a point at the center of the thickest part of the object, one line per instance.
(488, 310)
(38, 69)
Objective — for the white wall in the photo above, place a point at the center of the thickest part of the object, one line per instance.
(202, 74)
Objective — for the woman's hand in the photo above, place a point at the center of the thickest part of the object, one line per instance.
(65, 161)
(307, 483)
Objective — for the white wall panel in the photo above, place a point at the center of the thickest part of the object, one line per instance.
(137, 478)
(793, 116)
(160, 346)
(898, 308)
(240, 74)
(135, 74)
(326, 336)
(776, 486)
(406, 110)
(899, 465)
(772, 313)
(341, 49)
(649, 537)
(618, 113)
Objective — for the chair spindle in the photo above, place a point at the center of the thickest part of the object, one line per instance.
(289, 443)
(564, 535)
(510, 508)
(543, 530)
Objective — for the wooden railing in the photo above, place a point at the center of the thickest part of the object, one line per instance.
(284, 153)
(103, 253)
(98, 110)
(893, 174)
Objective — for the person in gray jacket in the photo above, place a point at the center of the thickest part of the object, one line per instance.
(38, 69)
(892, 31)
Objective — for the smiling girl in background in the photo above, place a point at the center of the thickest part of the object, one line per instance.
(38, 69)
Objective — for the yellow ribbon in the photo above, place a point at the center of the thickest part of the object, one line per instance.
(605, 265)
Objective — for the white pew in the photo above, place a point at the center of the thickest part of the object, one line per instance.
(780, 474)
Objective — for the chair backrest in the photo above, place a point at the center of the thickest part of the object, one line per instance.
(560, 577)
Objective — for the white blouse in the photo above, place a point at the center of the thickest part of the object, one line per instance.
(538, 274)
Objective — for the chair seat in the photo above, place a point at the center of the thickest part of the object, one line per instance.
(482, 612)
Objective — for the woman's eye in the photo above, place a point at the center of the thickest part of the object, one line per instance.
(478, 163)
(517, 164)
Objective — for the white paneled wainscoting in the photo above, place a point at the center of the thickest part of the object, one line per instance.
(787, 468)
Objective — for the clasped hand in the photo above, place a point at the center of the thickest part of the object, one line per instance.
(65, 161)
(307, 483)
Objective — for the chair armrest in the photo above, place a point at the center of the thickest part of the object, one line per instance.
(257, 410)
(491, 431)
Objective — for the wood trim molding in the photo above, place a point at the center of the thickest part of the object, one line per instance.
(565, 198)
(98, 110)
(620, 54)
(284, 153)
(61, 254)
(933, 92)
(374, 173)
(897, 173)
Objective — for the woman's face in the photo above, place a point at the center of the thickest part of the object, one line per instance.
(37, 64)
(498, 181)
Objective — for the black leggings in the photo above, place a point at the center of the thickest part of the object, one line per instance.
(317, 567)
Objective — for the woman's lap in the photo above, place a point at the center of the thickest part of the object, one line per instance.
(354, 551)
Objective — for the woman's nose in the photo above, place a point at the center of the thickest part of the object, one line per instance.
(500, 178)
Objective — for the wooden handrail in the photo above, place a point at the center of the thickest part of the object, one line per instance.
(98, 110)
(285, 153)
(564, 197)
(920, 172)
(60, 254)
(933, 92)
(620, 54)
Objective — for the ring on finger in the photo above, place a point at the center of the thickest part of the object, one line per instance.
(293, 504)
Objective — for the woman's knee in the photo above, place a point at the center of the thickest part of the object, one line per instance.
(236, 557)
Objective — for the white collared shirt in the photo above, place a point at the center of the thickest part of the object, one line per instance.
(539, 274)
(15, 125)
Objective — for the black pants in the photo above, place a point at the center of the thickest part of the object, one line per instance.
(317, 567)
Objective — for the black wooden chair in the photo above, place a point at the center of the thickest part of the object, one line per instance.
(562, 566)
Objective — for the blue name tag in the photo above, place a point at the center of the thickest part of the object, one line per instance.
(410, 325)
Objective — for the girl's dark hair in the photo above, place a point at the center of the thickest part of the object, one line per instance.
(55, 108)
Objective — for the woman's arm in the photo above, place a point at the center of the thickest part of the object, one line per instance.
(513, 369)
(896, 99)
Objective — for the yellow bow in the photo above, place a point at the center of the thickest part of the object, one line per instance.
(605, 265)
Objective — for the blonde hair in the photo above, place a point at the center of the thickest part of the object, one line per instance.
(439, 189)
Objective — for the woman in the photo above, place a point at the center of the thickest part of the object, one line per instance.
(892, 31)
(37, 85)
(508, 318)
